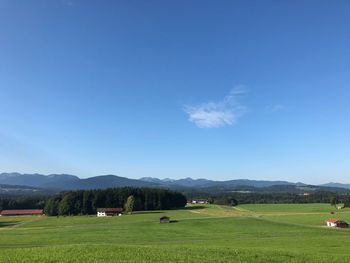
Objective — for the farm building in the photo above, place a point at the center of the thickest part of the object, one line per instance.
(333, 222)
(164, 219)
(199, 201)
(22, 212)
(109, 212)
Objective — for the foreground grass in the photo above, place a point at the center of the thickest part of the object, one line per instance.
(190, 253)
(202, 234)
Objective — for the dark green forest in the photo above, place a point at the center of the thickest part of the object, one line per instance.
(24, 202)
(278, 198)
(85, 202)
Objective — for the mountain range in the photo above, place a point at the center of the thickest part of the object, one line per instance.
(338, 185)
(72, 182)
(204, 183)
(69, 182)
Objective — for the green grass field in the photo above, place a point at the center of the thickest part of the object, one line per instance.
(247, 233)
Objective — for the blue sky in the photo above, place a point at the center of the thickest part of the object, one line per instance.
(206, 89)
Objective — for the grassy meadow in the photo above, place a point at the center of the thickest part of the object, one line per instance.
(208, 233)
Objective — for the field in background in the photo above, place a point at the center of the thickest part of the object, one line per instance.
(292, 208)
(207, 233)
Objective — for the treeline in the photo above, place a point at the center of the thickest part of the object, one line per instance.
(277, 198)
(22, 203)
(85, 202)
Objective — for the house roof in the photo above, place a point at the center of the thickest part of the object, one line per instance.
(332, 220)
(110, 210)
(22, 212)
(164, 217)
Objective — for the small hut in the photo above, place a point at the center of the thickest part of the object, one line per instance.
(164, 219)
(333, 222)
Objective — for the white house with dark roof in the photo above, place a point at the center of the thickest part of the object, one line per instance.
(102, 212)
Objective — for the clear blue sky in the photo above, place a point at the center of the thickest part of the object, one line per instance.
(206, 89)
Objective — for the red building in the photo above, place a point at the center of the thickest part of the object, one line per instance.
(22, 212)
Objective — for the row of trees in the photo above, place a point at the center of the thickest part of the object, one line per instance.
(278, 198)
(346, 202)
(22, 203)
(87, 201)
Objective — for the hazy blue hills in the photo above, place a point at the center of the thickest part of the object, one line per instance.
(106, 181)
(338, 185)
(38, 180)
(204, 183)
(22, 190)
(68, 182)
(72, 182)
(186, 182)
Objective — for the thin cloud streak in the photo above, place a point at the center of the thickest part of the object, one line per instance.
(218, 114)
(274, 108)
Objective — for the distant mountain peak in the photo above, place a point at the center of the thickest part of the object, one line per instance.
(168, 180)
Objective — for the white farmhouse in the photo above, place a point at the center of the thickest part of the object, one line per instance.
(199, 201)
(101, 212)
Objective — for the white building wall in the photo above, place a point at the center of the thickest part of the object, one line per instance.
(99, 214)
(330, 224)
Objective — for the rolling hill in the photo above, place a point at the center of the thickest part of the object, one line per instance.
(338, 185)
(72, 182)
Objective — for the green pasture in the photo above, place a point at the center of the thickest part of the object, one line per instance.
(208, 233)
(290, 208)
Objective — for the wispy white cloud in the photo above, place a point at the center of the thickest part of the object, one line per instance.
(275, 107)
(218, 114)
